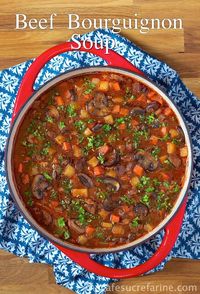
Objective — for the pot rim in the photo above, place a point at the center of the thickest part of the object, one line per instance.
(19, 118)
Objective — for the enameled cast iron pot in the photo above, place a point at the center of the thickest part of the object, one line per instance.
(25, 98)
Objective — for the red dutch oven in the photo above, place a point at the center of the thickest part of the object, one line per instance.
(171, 224)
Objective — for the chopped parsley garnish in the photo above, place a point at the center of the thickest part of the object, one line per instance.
(113, 137)
(45, 150)
(155, 152)
(145, 199)
(101, 158)
(67, 185)
(61, 125)
(137, 135)
(61, 222)
(89, 86)
(101, 194)
(47, 176)
(135, 222)
(49, 119)
(71, 110)
(80, 126)
(106, 128)
(94, 142)
(165, 138)
(126, 199)
(163, 202)
(54, 194)
(66, 235)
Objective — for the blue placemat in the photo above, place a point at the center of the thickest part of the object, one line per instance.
(18, 237)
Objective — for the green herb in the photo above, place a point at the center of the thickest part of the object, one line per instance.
(135, 222)
(145, 199)
(61, 125)
(101, 194)
(76, 205)
(30, 202)
(156, 182)
(165, 138)
(106, 128)
(60, 158)
(176, 141)
(137, 135)
(176, 187)
(90, 120)
(126, 199)
(61, 222)
(155, 152)
(163, 202)
(80, 125)
(99, 233)
(166, 184)
(67, 185)
(71, 110)
(119, 120)
(129, 94)
(89, 86)
(66, 235)
(54, 194)
(149, 189)
(47, 176)
(49, 119)
(113, 137)
(168, 162)
(38, 135)
(101, 158)
(150, 119)
(45, 150)
(81, 138)
(144, 181)
(94, 142)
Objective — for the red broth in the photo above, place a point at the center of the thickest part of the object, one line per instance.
(100, 160)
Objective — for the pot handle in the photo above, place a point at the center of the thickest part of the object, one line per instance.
(171, 233)
(26, 87)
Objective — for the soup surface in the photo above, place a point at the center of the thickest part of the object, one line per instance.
(100, 160)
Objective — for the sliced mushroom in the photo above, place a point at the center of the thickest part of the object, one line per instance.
(99, 105)
(141, 210)
(113, 183)
(39, 186)
(73, 95)
(146, 160)
(112, 158)
(120, 169)
(52, 111)
(153, 106)
(181, 134)
(97, 127)
(91, 208)
(85, 180)
(80, 164)
(136, 88)
(175, 160)
(135, 111)
(73, 225)
(109, 204)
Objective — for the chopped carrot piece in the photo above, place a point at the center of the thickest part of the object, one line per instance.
(151, 94)
(25, 179)
(122, 126)
(142, 98)
(134, 122)
(157, 98)
(86, 96)
(154, 140)
(59, 100)
(89, 230)
(138, 170)
(163, 131)
(124, 111)
(116, 109)
(104, 149)
(165, 176)
(116, 86)
(98, 170)
(163, 158)
(114, 218)
(54, 203)
(20, 168)
(66, 146)
(167, 111)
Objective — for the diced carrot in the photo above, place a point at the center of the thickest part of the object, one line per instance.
(86, 96)
(138, 170)
(54, 203)
(154, 140)
(150, 94)
(20, 168)
(59, 100)
(163, 131)
(122, 126)
(89, 230)
(167, 111)
(134, 122)
(142, 98)
(98, 170)
(124, 111)
(124, 178)
(25, 179)
(165, 176)
(116, 108)
(103, 149)
(114, 218)
(157, 98)
(116, 86)
(163, 158)
(125, 208)
(157, 112)
(66, 146)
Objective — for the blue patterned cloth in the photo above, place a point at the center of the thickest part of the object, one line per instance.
(18, 237)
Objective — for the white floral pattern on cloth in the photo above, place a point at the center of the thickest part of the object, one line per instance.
(18, 237)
